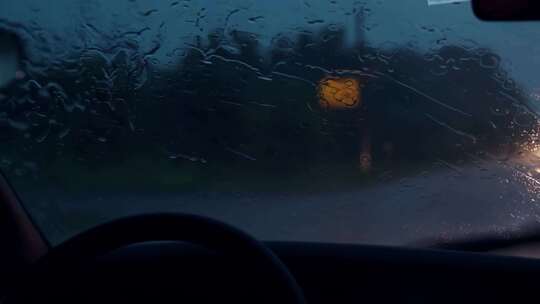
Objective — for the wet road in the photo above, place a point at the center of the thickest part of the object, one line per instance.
(451, 202)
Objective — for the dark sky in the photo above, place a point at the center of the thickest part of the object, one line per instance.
(173, 23)
(388, 23)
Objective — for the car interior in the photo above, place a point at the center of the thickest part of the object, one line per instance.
(179, 257)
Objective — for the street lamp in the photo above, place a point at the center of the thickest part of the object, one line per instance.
(339, 94)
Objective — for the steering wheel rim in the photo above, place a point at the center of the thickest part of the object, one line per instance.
(194, 229)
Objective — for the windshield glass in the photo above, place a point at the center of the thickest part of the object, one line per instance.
(379, 122)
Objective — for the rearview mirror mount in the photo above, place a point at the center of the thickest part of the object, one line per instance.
(507, 10)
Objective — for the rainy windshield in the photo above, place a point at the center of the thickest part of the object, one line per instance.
(352, 121)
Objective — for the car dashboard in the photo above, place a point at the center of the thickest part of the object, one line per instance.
(340, 273)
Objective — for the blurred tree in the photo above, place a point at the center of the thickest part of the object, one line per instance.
(230, 102)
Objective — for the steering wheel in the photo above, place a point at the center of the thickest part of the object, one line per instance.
(196, 230)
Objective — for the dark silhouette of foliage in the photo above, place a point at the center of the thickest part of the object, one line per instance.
(230, 101)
